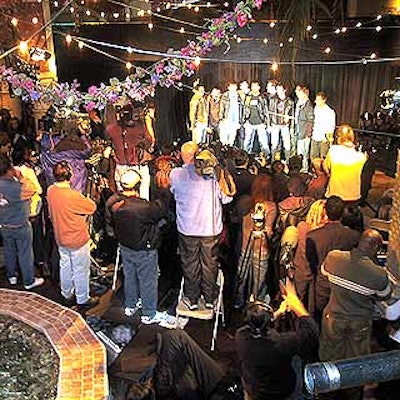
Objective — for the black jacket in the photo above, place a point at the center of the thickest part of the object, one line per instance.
(266, 362)
(137, 221)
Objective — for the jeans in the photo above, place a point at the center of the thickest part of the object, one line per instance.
(18, 247)
(227, 132)
(183, 369)
(75, 272)
(140, 278)
(319, 149)
(303, 149)
(199, 257)
(143, 170)
(249, 134)
(284, 132)
(199, 134)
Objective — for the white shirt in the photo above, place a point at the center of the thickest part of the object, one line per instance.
(324, 122)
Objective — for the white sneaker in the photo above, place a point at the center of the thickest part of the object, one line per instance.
(13, 280)
(36, 282)
(161, 318)
(130, 312)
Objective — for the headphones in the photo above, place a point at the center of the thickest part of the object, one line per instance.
(259, 316)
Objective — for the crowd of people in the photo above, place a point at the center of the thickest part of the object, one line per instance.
(285, 227)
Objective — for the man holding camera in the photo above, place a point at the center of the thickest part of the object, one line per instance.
(199, 197)
(131, 140)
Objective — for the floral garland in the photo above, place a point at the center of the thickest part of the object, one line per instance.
(141, 83)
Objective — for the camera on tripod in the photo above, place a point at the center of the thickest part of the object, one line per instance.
(258, 217)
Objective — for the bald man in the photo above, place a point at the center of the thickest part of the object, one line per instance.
(356, 282)
(199, 202)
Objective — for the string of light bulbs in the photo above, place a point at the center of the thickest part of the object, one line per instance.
(131, 49)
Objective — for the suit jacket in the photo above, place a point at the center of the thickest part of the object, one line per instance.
(319, 242)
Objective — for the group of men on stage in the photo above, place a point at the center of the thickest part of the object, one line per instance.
(283, 126)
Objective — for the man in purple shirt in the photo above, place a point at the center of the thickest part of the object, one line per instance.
(199, 202)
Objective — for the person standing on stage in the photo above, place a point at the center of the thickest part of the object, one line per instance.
(324, 127)
(282, 123)
(198, 115)
(255, 120)
(304, 120)
(229, 115)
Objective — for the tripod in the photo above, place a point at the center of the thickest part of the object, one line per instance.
(250, 267)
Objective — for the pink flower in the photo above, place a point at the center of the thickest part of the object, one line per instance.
(90, 106)
(241, 18)
(258, 3)
(160, 68)
(92, 90)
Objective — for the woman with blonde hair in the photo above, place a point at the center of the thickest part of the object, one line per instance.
(303, 276)
(344, 165)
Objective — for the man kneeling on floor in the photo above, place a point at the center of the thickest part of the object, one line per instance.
(136, 226)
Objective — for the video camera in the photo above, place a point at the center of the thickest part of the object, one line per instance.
(258, 217)
(127, 114)
(205, 163)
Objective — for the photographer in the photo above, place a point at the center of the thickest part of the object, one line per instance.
(136, 224)
(269, 361)
(68, 145)
(199, 197)
(131, 141)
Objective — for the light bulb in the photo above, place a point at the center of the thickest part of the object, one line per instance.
(265, 41)
(272, 24)
(150, 25)
(81, 45)
(129, 50)
(358, 24)
(128, 65)
(378, 28)
(337, 31)
(281, 44)
(315, 36)
(35, 20)
(23, 46)
(274, 66)
(197, 9)
(378, 17)
(14, 22)
(327, 50)
(344, 29)
(290, 40)
(182, 30)
(88, 13)
(197, 61)
(373, 56)
(309, 28)
(68, 39)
